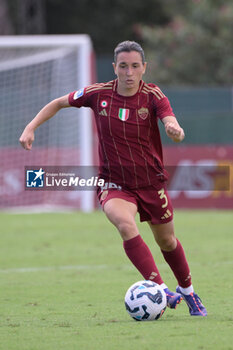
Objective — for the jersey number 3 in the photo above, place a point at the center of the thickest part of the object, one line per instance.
(162, 195)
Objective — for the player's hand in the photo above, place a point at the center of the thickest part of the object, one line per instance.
(174, 131)
(27, 138)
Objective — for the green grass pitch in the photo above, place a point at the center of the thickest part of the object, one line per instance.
(63, 278)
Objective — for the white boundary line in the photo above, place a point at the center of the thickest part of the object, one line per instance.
(60, 268)
(89, 267)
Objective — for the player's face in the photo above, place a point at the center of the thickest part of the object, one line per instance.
(129, 70)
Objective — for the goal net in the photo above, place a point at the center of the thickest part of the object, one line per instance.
(33, 71)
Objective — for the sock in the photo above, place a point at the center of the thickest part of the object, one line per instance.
(140, 255)
(177, 261)
(188, 290)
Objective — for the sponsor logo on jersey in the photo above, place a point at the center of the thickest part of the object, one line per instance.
(78, 94)
(143, 113)
(123, 114)
(103, 112)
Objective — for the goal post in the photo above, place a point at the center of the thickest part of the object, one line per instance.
(34, 70)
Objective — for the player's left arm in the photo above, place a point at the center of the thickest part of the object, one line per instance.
(165, 113)
(173, 129)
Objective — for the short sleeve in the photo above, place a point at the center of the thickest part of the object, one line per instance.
(163, 107)
(79, 98)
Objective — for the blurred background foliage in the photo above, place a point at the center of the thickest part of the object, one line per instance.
(196, 46)
(186, 42)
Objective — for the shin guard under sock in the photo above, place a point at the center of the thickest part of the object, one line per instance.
(177, 261)
(140, 255)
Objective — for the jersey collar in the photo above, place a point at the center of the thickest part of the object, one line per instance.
(115, 83)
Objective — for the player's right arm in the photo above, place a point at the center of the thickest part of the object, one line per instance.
(47, 112)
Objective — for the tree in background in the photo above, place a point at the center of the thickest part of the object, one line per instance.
(195, 47)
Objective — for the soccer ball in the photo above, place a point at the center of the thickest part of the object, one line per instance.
(145, 301)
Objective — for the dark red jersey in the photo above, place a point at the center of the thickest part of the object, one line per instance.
(130, 150)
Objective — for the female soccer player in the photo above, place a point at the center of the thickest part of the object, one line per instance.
(131, 163)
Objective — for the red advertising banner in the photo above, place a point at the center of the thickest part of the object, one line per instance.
(13, 178)
(190, 165)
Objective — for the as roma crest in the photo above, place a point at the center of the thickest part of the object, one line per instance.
(143, 113)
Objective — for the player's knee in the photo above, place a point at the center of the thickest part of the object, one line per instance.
(167, 243)
(124, 227)
(127, 229)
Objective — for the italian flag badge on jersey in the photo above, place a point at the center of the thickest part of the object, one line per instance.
(123, 114)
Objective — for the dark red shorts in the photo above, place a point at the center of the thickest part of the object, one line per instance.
(153, 202)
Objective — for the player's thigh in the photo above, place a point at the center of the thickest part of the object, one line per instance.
(164, 235)
(121, 213)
